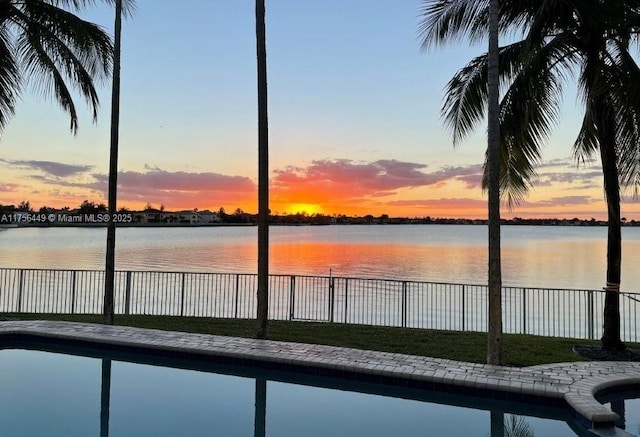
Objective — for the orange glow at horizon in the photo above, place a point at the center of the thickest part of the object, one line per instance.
(311, 193)
(435, 208)
(306, 208)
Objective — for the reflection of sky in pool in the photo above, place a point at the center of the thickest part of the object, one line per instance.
(46, 394)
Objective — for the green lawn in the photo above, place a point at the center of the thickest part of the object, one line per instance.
(520, 350)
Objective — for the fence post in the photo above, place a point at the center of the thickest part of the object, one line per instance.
(237, 303)
(346, 298)
(292, 296)
(20, 285)
(73, 291)
(182, 294)
(127, 293)
(464, 307)
(590, 315)
(404, 304)
(524, 310)
(332, 293)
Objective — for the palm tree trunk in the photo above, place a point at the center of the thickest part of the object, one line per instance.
(109, 275)
(611, 326)
(263, 173)
(494, 346)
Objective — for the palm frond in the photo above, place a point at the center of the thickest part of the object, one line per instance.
(128, 6)
(37, 62)
(624, 98)
(445, 21)
(9, 78)
(529, 111)
(517, 426)
(449, 21)
(58, 49)
(591, 37)
(466, 93)
(586, 144)
(90, 43)
(466, 99)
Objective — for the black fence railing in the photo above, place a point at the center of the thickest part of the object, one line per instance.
(428, 305)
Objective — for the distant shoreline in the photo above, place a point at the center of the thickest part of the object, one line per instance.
(464, 222)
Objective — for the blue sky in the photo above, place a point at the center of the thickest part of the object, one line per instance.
(353, 109)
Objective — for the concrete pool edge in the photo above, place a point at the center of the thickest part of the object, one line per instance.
(575, 384)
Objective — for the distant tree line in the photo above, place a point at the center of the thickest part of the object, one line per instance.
(241, 217)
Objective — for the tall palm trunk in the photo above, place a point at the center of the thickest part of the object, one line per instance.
(109, 276)
(263, 173)
(494, 346)
(611, 326)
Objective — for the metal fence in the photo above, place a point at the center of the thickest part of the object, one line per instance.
(428, 305)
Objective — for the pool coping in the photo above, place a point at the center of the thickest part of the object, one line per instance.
(574, 384)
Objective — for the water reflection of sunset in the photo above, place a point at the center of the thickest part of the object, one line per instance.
(398, 261)
(564, 257)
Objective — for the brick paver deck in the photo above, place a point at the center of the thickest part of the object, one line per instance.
(576, 383)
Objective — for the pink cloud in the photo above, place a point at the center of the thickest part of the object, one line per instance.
(347, 180)
(9, 188)
(175, 189)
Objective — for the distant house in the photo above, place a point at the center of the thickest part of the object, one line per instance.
(198, 217)
(208, 217)
(187, 217)
(154, 216)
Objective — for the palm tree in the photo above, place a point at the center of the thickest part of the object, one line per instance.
(494, 337)
(432, 12)
(586, 38)
(263, 173)
(109, 282)
(42, 40)
(110, 263)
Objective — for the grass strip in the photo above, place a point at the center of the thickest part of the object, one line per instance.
(519, 350)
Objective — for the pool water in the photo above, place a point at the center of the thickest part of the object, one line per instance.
(629, 411)
(49, 394)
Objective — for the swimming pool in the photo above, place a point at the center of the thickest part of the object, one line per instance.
(54, 394)
(77, 376)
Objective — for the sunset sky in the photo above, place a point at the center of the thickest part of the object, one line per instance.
(354, 113)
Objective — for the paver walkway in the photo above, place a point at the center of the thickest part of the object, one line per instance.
(574, 382)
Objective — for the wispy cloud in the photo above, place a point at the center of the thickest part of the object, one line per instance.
(583, 179)
(457, 203)
(563, 201)
(50, 168)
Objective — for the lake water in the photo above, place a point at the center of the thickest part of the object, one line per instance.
(532, 256)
